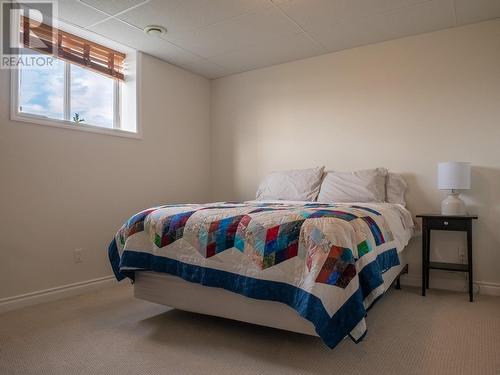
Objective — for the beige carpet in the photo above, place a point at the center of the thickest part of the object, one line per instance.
(110, 332)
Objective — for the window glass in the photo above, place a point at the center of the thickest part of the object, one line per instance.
(42, 90)
(91, 98)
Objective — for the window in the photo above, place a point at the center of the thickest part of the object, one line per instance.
(68, 92)
(85, 87)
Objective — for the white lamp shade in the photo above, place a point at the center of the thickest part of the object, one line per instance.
(454, 175)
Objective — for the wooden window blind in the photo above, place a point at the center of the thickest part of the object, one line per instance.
(69, 47)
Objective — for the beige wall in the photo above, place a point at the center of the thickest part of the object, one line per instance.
(405, 104)
(63, 189)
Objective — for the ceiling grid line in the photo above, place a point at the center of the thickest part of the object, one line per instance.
(94, 8)
(222, 21)
(318, 44)
(112, 16)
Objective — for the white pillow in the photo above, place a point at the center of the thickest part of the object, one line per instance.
(359, 186)
(293, 185)
(396, 188)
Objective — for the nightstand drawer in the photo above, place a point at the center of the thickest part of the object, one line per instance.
(447, 224)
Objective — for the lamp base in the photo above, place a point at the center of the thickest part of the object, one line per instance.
(453, 205)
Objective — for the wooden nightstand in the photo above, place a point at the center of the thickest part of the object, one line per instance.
(461, 223)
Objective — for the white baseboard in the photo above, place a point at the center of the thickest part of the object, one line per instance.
(68, 290)
(457, 285)
(52, 294)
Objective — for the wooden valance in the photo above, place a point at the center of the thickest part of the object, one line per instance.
(69, 47)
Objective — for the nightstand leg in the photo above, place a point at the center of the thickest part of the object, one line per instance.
(428, 247)
(424, 260)
(469, 260)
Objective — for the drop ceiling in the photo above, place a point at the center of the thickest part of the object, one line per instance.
(215, 38)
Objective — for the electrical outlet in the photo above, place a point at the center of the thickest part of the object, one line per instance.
(78, 255)
(461, 255)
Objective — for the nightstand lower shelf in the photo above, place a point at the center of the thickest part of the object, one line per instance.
(449, 266)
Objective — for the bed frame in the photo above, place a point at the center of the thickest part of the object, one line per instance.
(175, 292)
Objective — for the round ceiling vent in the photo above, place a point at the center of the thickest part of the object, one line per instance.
(155, 30)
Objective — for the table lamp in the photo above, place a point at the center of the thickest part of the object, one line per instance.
(453, 176)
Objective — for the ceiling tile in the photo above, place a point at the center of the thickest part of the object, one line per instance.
(227, 36)
(130, 36)
(310, 12)
(76, 13)
(421, 18)
(207, 69)
(177, 15)
(469, 11)
(268, 52)
(112, 6)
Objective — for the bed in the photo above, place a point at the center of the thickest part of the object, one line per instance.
(307, 267)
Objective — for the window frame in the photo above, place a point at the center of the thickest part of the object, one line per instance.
(28, 118)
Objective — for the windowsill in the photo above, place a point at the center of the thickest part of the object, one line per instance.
(62, 124)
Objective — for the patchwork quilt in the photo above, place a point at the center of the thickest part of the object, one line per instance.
(326, 261)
